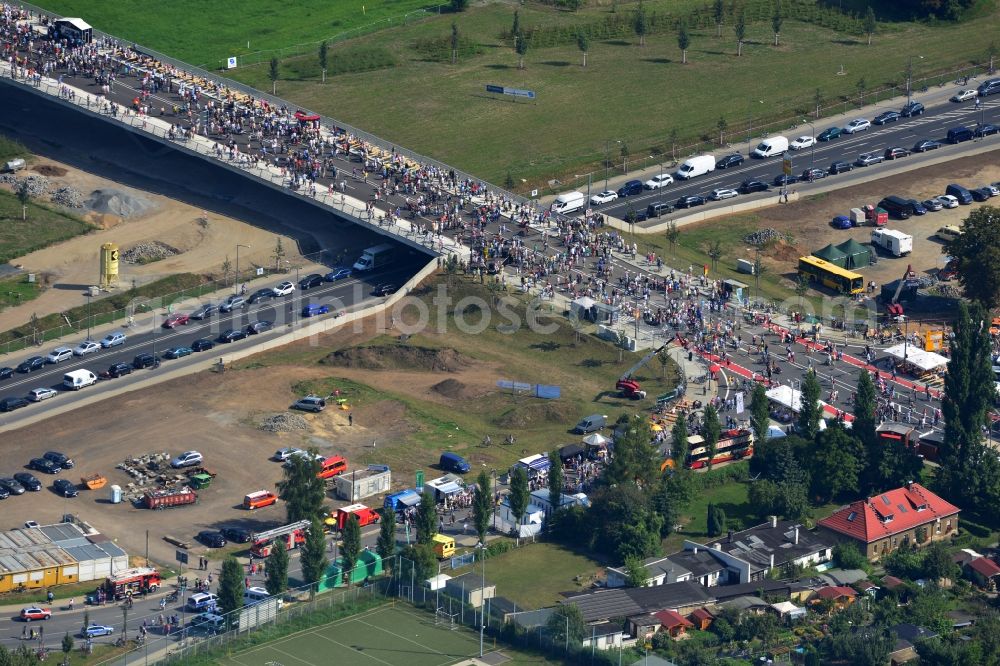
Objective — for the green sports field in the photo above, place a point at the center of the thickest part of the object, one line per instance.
(385, 635)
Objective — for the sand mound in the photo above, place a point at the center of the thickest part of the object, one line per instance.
(117, 202)
(397, 358)
(450, 388)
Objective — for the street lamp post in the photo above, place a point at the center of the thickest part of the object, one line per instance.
(236, 281)
(812, 148)
(750, 125)
(607, 159)
(482, 598)
(909, 79)
(89, 320)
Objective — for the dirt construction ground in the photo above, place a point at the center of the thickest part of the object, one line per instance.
(202, 245)
(919, 184)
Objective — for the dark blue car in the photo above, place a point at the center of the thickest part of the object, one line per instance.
(315, 309)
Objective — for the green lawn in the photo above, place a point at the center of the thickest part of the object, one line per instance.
(17, 290)
(537, 575)
(629, 93)
(43, 227)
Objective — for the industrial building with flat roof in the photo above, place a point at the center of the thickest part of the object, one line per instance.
(57, 554)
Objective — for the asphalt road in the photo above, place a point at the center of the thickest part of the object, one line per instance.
(154, 339)
(934, 123)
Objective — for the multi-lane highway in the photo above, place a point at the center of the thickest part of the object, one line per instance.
(933, 123)
(147, 335)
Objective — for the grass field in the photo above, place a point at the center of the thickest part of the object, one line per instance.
(387, 635)
(17, 290)
(43, 227)
(633, 94)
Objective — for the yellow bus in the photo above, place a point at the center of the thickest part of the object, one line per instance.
(834, 277)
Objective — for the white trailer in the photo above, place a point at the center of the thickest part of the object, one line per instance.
(362, 483)
(893, 241)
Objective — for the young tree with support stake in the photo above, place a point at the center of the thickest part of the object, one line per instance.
(683, 41)
(350, 547)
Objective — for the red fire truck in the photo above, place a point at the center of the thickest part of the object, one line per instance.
(135, 580)
(292, 536)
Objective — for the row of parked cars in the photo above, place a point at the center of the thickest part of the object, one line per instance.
(52, 462)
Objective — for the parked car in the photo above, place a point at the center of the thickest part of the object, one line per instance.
(980, 193)
(310, 281)
(841, 167)
(994, 190)
(315, 309)
(690, 201)
(187, 459)
(802, 142)
(857, 125)
(841, 222)
(6, 373)
(629, 188)
(722, 193)
(965, 95)
(11, 486)
(145, 361)
(60, 459)
(95, 630)
(781, 180)
(337, 274)
(59, 354)
(917, 207)
(113, 340)
(384, 290)
(202, 344)
(810, 175)
(4, 493)
(284, 289)
(253, 328)
(232, 303)
(310, 403)
(232, 334)
(887, 117)
(28, 481)
(911, 109)
(116, 370)
(985, 129)
(212, 539)
(829, 134)
(948, 201)
(35, 613)
(44, 465)
(11, 403)
(205, 311)
(86, 347)
(65, 487)
(178, 352)
(924, 145)
(750, 185)
(895, 153)
(175, 320)
(932, 205)
(31, 364)
(202, 601)
(729, 161)
(235, 534)
(284, 453)
(261, 295)
(867, 159)
(656, 182)
(604, 197)
(43, 393)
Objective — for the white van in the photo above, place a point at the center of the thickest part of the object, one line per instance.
(771, 147)
(696, 166)
(255, 595)
(569, 202)
(78, 379)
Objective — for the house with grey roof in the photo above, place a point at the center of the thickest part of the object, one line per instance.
(697, 564)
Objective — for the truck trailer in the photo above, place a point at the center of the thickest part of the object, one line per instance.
(374, 257)
(893, 241)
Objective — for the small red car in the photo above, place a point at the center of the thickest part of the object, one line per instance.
(35, 613)
(175, 320)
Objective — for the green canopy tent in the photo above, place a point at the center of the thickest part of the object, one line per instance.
(856, 255)
(832, 255)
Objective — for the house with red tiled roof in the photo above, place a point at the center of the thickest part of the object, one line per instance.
(673, 623)
(879, 525)
(702, 618)
(840, 595)
(984, 572)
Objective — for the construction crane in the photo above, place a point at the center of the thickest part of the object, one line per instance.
(894, 308)
(630, 388)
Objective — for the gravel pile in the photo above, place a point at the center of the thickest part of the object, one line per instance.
(68, 196)
(112, 201)
(37, 185)
(284, 422)
(763, 237)
(145, 252)
(8, 179)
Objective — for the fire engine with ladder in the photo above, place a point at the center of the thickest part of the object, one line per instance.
(293, 536)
